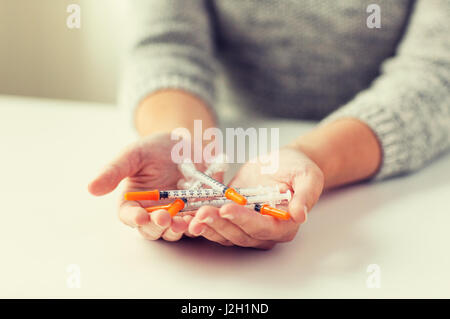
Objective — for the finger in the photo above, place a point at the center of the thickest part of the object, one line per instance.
(179, 225)
(188, 219)
(176, 229)
(196, 227)
(307, 189)
(160, 221)
(258, 226)
(125, 165)
(212, 235)
(224, 227)
(132, 214)
(170, 235)
(266, 245)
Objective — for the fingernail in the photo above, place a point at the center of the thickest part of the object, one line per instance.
(159, 224)
(228, 216)
(202, 230)
(305, 211)
(207, 220)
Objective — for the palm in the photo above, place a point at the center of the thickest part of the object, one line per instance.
(154, 166)
(236, 225)
(145, 165)
(292, 166)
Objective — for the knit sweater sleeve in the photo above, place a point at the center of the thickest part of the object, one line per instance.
(169, 46)
(408, 105)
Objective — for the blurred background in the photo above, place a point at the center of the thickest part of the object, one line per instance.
(41, 57)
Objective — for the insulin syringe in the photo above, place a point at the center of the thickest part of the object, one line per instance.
(218, 165)
(188, 169)
(267, 198)
(258, 203)
(196, 193)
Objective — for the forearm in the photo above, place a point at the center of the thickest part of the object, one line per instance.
(346, 151)
(166, 110)
(165, 53)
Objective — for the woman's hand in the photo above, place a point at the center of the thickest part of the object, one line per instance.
(233, 224)
(146, 164)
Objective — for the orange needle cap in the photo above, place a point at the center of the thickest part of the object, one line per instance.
(233, 195)
(148, 195)
(176, 206)
(275, 212)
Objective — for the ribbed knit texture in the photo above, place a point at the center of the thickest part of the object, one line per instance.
(308, 59)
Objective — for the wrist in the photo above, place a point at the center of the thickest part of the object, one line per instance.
(320, 153)
(346, 151)
(165, 110)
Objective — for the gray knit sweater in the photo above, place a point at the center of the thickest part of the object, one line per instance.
(308, 59)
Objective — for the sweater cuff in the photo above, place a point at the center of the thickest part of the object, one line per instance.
(389, 130)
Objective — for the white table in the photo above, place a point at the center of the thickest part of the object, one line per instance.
(51, 149)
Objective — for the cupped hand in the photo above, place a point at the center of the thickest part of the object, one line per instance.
(241, 226)
(146, 164)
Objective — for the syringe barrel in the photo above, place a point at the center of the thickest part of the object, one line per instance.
(272, 197)
(260, 190)
(213, 202)
(219, 164)
(209, 192)
(188, 169)
(196, 184)
(223, 201)
(191, 193)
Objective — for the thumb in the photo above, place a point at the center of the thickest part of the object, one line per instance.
(307, 188)
(126, 164)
